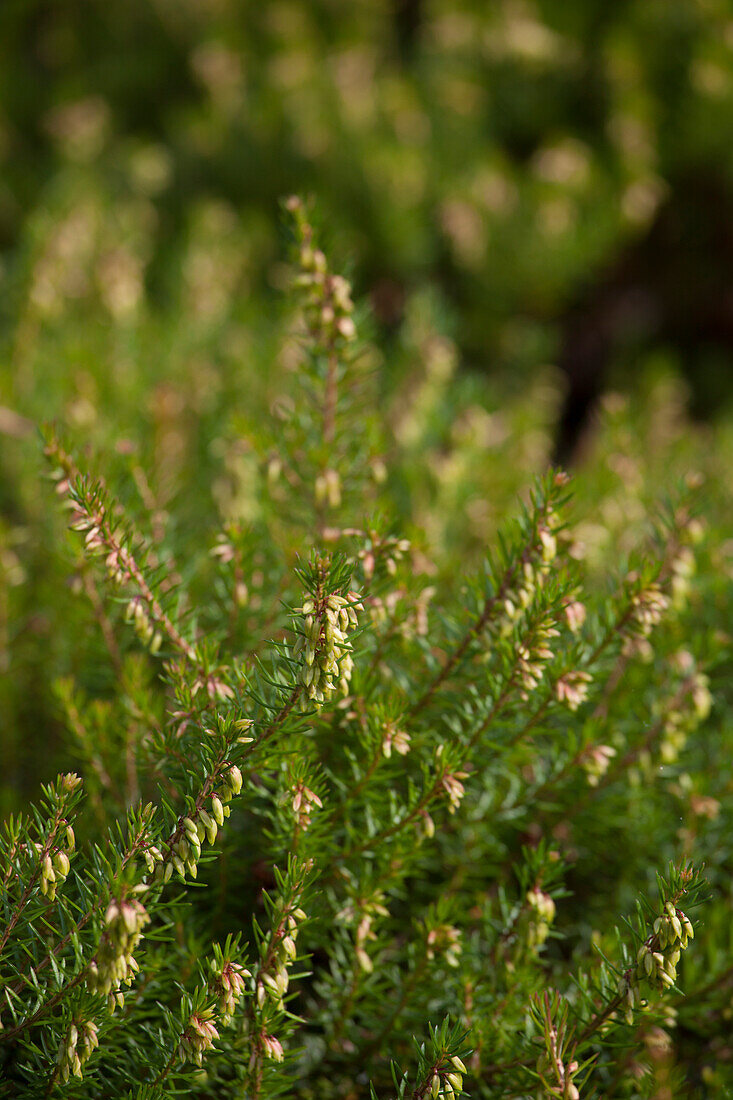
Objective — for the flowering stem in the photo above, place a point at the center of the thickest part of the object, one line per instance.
(56, 824)
(18, 985)
(256, 1061)
(605, 641)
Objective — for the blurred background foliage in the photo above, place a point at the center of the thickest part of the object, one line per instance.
(534, 201)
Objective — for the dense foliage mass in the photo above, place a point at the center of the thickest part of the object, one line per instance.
(385, 779)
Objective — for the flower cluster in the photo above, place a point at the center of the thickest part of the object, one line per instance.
(389, 549)
(185, 851)
(198, 1036)
(542, 910)
(518, 599)
(272, 1048)
(648, 607)
(448, 1082)
(365, 909)
(323, 644)
(572, 688)
(444, 940)
(114, 964)
(328, 306)
(595, 760)
(451, 783)
(55, 864)
(575, 614)
(215, 685)
(304, 799)
(137, 614)
(75, 1048)
(230, 979)
(280, 953)
(657, 958)
(532, 653)
(394, 739)
(152, 855)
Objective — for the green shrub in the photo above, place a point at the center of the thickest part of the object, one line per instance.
(362, 808)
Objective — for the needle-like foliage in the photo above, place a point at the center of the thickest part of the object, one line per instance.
(349, 818)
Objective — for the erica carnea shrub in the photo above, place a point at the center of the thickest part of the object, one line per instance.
(345, 818)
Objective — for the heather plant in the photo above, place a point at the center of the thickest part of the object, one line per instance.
(355, 806)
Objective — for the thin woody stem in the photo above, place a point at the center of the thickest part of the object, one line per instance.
(474, 630)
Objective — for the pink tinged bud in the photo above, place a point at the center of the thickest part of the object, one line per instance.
(365, 962)
(129, 916)
(313, 798)
(272, 1048)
